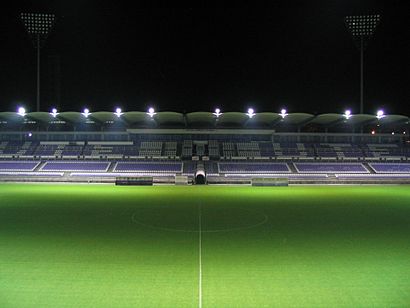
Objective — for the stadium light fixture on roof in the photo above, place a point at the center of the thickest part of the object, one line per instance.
(118, 112)
(86, 112)
(38, 27)
(251, 113)
(54, 112)
(347, 114)
(380, 114)
(21, 111)
(151, 112)
(362, 28)
(283, 113)
(217, 112)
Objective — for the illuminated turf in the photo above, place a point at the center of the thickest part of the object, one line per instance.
(107, 246)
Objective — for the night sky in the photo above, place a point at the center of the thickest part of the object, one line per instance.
(193, 59)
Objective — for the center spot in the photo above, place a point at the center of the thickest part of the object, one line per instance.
(213, 219)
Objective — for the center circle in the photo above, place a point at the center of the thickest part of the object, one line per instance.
(204, 219)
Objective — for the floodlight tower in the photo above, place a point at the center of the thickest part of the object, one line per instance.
(362, 28)
(38, 27)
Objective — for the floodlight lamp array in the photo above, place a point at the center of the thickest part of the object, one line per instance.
(251, 113)
(21, 111)
(348, 114)
(118, 112)
(283, 113)
(36, 23)
(86, 112)
(151, 112)
(380, 114)
(362, 25)
(54, 113)
(217, 112)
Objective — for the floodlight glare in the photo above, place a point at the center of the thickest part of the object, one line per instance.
(118, 112)
(217, 112)
(251, 113)
(347, 114)
(21, 111)
(54, 112)
(380, 114)
(283, 113)
(151, 112)
(86, 112)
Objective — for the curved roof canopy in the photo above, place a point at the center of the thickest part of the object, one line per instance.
(166, 119)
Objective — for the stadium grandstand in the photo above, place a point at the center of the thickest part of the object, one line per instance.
(205, 147)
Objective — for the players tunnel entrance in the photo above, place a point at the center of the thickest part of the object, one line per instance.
(200, 177)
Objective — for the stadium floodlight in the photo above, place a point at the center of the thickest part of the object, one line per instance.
(283, 113)
(380, 114)
(347, 114)
(86, 112)
(118, 112)
(21, 111)
(217, 112)
(38, 27)
(251, 113)
(54, 112)
(362, 28)
(151, 112)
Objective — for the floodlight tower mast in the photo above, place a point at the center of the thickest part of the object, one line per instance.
(38, 27)
(362, 28)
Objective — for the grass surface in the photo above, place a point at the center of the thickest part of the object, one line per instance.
(107, 246)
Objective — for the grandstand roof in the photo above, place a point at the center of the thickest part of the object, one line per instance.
(164, 119)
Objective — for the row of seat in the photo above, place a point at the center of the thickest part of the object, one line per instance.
(213, 168)
(211, 148)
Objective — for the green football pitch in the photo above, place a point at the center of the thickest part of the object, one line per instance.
(201, 246)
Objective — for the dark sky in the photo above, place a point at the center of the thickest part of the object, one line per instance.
(187, 59)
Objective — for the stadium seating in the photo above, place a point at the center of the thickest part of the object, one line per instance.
(383, 150)
(110, 150)
(187, 148)
(75, 166)
(170, 148)
(211, 168)
(233, 167)
(298, 150)
(330, 168)
(18, 165)
(338, 150)
(228, 149)
(200, 149)
(149, 167)
(248, 149)
(17, 148)
(189, 168)
(213, 149)
(390, 167)
(150, 148)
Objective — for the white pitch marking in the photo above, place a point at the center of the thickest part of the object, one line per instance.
(200, 255)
